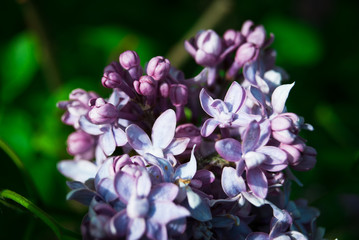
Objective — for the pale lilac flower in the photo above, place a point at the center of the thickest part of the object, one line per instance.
(163, 141)
(77, 106)
(280, 224)
(78, 170)
(224, 113)
(147, 209)
(110, 133)
(208, 50)
(254, 156)
(102, 112)
(186, 177)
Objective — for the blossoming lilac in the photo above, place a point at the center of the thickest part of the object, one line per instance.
(148, 170)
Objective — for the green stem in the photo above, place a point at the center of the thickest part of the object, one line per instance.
(27, 179)
(47, 219)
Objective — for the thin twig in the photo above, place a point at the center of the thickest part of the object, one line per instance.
(48, 60)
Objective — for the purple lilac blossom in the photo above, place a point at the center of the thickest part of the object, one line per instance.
(224, 113)
(187, 182)
(163, 141)
(253, 156)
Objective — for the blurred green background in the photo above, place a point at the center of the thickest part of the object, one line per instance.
(48, 48)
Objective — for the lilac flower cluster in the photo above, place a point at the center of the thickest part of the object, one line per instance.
(208, 157)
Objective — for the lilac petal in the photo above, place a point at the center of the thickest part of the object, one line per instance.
(257, 182)
(208, 127)
(187, 170)
(164, 166)
(137, 138)
(249, 72)
(163, 192)
(265, 134)
(176, 227)
(232, 184)
(89, 127)
(163, 212)
(285, 136)
(240, 166)
(163, 129)
(251, 137)
(258, 236)
(190, 49)
(258, 95)
(106, 189)
(254, 159)
(220, 106)
(242, 119)
(177, 146)
(206, 102)
(274, 155)
(229, 149)
(235, 96)
(199, 209)
(79, 170)
(120, 136)
(83, 196)
(107, 142)
(119, 224)
(106, 170)
(125, 186)
(143, 184)
(256, 201)
(296, 235)
(119, 99)
(156, 231)
(136, 228)
(273, 168)
(100, 155)
(279, 97)
(75, 185)
(205, 176)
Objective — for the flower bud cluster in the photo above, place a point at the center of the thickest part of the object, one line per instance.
(147, 171)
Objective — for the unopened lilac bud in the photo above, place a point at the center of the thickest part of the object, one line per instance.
(164, 89)
(129, 59)
(285, 127)
(158, 68)
(245, 53)
(102, 112)
(179, 94)
(308, 160)
(111, 80)
(232, 37)
(191, 131)
(247, 27)
(131, 62)
(79, 142)
(257, 36)
(293, 153)
(209, 48)
(146, 85)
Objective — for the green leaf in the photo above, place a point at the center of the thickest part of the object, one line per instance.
(47, 219)
(295, 42)
(26, 177)
(19, 65)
